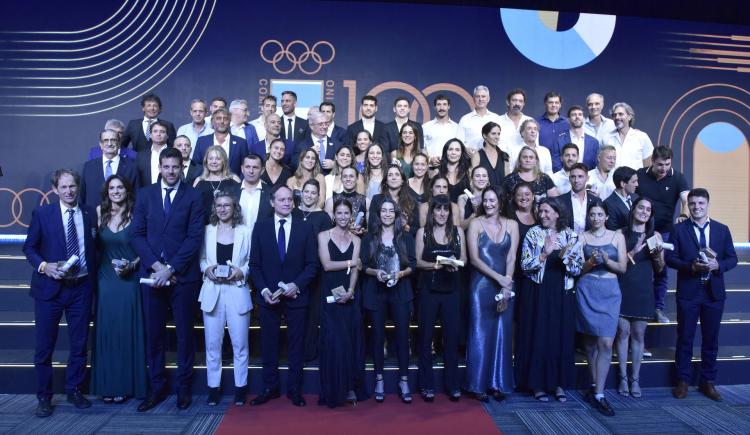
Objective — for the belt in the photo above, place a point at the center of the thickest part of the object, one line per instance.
(72, 282)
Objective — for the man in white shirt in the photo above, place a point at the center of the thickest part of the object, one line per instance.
(578, 200)
(239, 125)
(440, 130)
(600, 178)
(254, 200)
(596, 124)
(198, 127)
(401, 108)
(472, 122)
(510, 122)
(335, 132)
(569, 157)
(267, 107)
(293, 128)
(367, 122)
(530, 136)
(634, 147)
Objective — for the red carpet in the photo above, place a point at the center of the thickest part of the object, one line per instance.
(390, 418)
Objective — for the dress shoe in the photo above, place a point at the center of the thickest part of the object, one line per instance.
(151, 401)
(661, 317)
(680, 391)
(184, 399)
(296, 398)
(78, 400)
(265, 396)
(44, 408)
(214, 396)
(240, 395)
(709, 390)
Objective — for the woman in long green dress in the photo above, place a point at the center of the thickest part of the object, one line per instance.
(119, 354)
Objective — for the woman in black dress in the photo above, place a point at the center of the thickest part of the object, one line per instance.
(341, 351)
(216, 178)
(491, 157)
(394, 186)
(439, 293)
(388, 258)
(527, 169)
(275, 172)
(455, 165)
(522, 209)
(420, 179)
(636, 308)
(438, 186)
(358, 201)
(469, 207)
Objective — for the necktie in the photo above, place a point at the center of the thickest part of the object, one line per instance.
(168, 200)
(282, 240)
(322, 143)
(702, 230)
(148, 123)
(289, 132)
(71, 245)
(629, 202)
(108, 170)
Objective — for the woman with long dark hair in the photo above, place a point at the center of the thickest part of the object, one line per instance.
(362, 143)
(469, 207)
(490, 156)
(438, 186)
(408, 146)
(308, 168)
(375, 165)
(275, 172)
(455, 165)
(358, 201)
(394, 186)
(418, 183)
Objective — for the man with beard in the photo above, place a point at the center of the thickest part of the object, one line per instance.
(588, 145)
(510, 122)
(569, 158)
(367, 122)
(471, 124)
(235, 146)
(440, 130)
(293, 128)
(596, 124)
(634, 147)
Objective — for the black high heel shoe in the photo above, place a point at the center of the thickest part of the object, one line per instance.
(405, 396)
(379, 389)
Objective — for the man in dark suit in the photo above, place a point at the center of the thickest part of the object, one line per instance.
(317, 139)
(190, 169)
(235, 146)
(147, 161)
(588, 146)
(335, 132)
(621, 200)
(367, 110)
(283, 251)
(401, 108)
(138, 131)
(167, 236)
(56, 233)
(578, 200)
(293, 128)
(239, 125)
(700, 290)
(96, 171)
(255, 196)
(273, 132)
(119, 127)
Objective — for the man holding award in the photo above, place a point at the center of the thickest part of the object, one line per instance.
(703, 252)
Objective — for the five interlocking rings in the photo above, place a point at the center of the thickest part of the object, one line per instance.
(16, 205)
(298, 59)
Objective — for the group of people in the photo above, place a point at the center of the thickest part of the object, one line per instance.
(517, 233)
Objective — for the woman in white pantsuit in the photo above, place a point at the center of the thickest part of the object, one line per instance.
(225, 300)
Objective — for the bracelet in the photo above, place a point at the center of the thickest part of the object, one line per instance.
(435, 266)
(42, 266)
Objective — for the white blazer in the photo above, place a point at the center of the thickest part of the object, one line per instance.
(237, 293)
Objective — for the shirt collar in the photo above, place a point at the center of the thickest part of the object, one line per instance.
(277, 218)
(65, 209)
(164, 185)
(115, 159)
(147, 119)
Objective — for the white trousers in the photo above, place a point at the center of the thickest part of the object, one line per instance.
(238, 332)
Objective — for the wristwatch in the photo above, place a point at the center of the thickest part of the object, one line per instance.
(170, 268)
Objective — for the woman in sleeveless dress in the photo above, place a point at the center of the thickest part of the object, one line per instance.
(492, 241)
(455, 165)
(119, 352)
(469, 207)
(216, 178)
(357, 200)
(598, 300)
(308, 168)
(490, 156)
(275, 172)
(420, 179)
(376, 164)
(408, 146)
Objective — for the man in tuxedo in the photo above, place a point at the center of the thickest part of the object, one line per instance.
(588, 146)
(293, 128)
(198, 126)
(138, 131)
(578, 200)
(167, 236)
(283, 251)
(401, 108)
(367, 110)
(255, 196)
(318, 140)
(273, 132)
(147, 161)
(119, 127)
(238, 125)
(703, 252)
(96, 171)
(235, 146)
(190, 169)
(621, 200)
(267, 107)
(335, 132)
(56, 233)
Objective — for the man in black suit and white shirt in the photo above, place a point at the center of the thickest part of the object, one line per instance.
(148, 160)
(621, 200)
(138, 130)
(96, 171)
(335, 132)
(578, 200)
(401, 108)
(290, 121)
(367, 110)
(190, 169)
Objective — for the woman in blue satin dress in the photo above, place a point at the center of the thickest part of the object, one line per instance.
(492, 240)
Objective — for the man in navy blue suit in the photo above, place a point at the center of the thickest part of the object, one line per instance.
(703, 252)
(283, 251)
(235, 146)
(588, 146)
(317, 138)
(335, 132)
(273, 132)
(138, 130)
(119, 127)
(167, 235)
(97, 170)
(239, 125)
(56, 233)
(293, 128)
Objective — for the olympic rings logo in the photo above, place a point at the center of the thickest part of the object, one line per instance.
(298, 55)
(16, 205)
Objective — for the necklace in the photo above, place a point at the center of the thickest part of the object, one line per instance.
(215, 188)
(306, 213)
(599, 236)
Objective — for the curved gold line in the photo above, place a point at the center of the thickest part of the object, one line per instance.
(687, 130)
(713, 97)
(450, 88)
(72, 32)
(404, 87)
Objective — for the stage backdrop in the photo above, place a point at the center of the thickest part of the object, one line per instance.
(67, 67)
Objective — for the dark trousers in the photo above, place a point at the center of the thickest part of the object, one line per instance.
(312, 325)
(400, 314)
(181, 298)
(270, 326)
(75, 302)
(661, 282)
(448, 307)
(688, 312)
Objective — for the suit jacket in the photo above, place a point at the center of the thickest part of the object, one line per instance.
(590, 150)
(307, 143)
(392, 133)
(338, 135)
(300, 129)
(134, 135)
(686, 247)
(45, 241)
(300, 264)
(379, 136)
(143, 164)
(194, 171)
(92, 178)
(96, 151)
(176, 238)
(618, 211)
(251, 135)
(259, 148)
(567, 200)
(237, 294)
(237, 151)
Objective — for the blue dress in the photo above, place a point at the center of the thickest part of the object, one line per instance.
(489, 359)
(598, 297)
